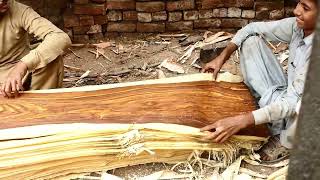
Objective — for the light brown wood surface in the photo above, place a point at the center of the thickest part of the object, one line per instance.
(196, 104)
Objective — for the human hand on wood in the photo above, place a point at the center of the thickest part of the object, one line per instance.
(13, 84)
(214, 66)
(223, 129)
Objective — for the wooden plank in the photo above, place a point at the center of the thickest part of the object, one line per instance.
(196, 103)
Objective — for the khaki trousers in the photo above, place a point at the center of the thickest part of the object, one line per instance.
(48, 77)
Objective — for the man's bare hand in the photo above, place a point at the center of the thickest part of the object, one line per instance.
(223, 129)
(13, 83)
(214, 66)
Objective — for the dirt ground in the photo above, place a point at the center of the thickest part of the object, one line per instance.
(133, 57)
(136, 57)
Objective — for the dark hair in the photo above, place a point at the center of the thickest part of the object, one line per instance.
(316, 2)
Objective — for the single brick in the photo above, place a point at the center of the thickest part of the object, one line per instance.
(144, 17)
(180, 5)
(151, 27)
(159, 16)
(101, 19)
(114, 15)
(205, 14)
(234, 12)
(154, 6)
(249, 14)
(122, 27)
(234, 23)
(221, 12)
(206, 23)
(179, 26)
(121, 4)
(89, 9)
(239, 3)
(86, 20)
(210, 4)
(175, 16)
(130, 15)
(190, 15)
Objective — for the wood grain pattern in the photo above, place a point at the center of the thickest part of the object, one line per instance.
(189, 103)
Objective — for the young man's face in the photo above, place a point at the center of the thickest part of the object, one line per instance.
(4, 6)
(306, 13)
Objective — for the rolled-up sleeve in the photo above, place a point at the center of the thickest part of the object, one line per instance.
(281, 109)
(54, 40)
(280, 30)
(286, 106)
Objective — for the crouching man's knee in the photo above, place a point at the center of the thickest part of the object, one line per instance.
(48, 77)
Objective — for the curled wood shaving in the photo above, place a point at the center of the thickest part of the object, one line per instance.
(276, 165)
(219, 39)
(232, 170)
(161, 74)
(172, 67)
(187, 54)
(280, 174)
(103, 45)
(214, 37)
(86, 74)
(252, 173)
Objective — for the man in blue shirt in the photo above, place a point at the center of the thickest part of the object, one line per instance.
(278, 93)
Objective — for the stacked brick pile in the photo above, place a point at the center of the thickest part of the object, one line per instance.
(94, 18)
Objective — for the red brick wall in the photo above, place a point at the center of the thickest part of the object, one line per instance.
(50, 9)
(85, 19)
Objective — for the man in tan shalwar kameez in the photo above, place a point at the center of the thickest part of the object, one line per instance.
(20, 67)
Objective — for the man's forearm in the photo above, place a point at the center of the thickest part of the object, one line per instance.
(54, 40)
(227, 52)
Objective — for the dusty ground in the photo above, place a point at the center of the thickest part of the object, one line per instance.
(135, 57)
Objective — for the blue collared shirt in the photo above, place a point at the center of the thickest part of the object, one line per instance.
(300, 47)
